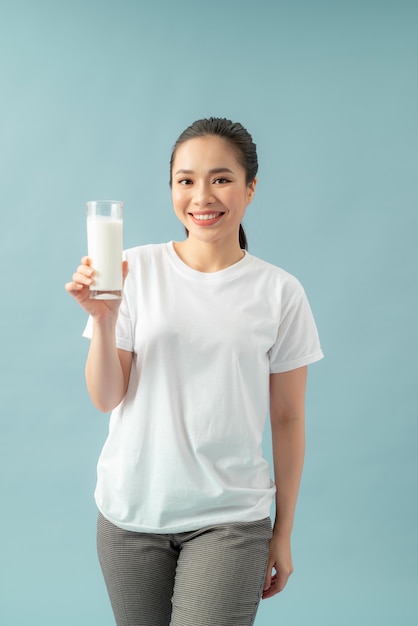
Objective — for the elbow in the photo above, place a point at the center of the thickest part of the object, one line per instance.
(284, 418)
(103, 407)
(105, 404)
(104, 397)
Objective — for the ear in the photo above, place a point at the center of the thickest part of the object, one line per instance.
(251, 190)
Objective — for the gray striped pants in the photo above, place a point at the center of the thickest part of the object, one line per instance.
(208, 577)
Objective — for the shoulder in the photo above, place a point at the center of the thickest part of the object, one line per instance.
(146, 264)
(276, 277)
(146, 252)
(149, 257)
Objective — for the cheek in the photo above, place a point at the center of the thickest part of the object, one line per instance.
(175, 198)
(237, 200)
(179, 203)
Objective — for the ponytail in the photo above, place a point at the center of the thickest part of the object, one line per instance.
(243, 243)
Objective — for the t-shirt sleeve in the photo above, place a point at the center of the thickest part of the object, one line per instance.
(297, 342)
(124, 334)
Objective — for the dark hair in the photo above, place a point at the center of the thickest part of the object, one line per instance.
(239, 138)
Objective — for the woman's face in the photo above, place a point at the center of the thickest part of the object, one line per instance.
(209, 189)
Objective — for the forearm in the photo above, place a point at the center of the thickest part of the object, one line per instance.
(288, 437)
(104, 374)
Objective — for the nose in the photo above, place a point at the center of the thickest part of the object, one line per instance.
(203, 194)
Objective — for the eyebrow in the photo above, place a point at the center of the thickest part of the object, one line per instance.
(216, 170)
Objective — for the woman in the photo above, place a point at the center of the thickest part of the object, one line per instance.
(207, 340)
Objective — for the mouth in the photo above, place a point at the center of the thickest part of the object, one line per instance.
(206, 219)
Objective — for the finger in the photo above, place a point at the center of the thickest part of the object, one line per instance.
(82, 278)
(267, 580)
(80, 281)
(272, 589)
(278, 583)
(273, 586)
(70, 287)
(269, 573)
(74, 289)
(87, 270)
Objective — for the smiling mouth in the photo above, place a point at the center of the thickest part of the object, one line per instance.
(205, 217)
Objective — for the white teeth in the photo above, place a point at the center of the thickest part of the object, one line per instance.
(208, 216)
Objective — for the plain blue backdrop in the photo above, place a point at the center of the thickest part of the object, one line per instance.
(93, 95)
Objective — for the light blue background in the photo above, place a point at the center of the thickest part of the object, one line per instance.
(93, 95)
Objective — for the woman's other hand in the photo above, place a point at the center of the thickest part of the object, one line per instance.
(280, 559)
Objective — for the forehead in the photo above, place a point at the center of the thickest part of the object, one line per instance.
(206, 152)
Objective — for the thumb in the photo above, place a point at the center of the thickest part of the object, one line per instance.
(267, 579)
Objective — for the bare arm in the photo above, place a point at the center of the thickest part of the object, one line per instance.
(287, 414)
(107, 368)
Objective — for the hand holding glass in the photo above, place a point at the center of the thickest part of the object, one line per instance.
(105, 246)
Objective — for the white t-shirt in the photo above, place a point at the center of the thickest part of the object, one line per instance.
(184, 449)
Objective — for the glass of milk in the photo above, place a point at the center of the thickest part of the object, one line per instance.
(105, 245)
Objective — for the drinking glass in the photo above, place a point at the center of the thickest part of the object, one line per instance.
(105, 246)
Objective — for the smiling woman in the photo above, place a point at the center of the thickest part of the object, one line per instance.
(210, 194)
(205, 342)
(236, 137)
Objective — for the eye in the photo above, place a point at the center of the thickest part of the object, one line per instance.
(184, 181)
(221, 181)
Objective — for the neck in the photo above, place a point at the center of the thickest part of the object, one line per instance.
(208, 257)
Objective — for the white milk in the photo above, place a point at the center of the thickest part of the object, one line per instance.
(104, 242)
